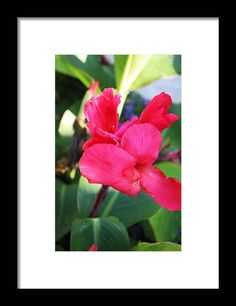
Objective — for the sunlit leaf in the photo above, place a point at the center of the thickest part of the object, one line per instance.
(136, 71)
(158, 66)
(82, 57)
(159, 246)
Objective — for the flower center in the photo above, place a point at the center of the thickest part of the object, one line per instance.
(132, 174)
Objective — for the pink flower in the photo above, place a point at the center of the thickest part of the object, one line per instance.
(128, 167)
(102, 116)
(156, 112)
(101, 113)
(93, 247)
(122, 157)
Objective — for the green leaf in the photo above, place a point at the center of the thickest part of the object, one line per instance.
(170, 169)
(73, 201)
(177, 63)
(129, 210)
(136, 71)
(86, 197)
(158, 66)
(58, 147)
(128, 69)
(92, 66)
(173, 133)
(66, 210)
(75, 107)
(159, 246)
(64, 66)
(68, 92)
(167, 224)
(107, 233)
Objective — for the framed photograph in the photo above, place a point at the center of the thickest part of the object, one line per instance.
(115, 136)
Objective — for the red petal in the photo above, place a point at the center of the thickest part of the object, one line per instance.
(143, 141)
(100, 136)
(93, 247)
(119, 133)
(156, 112)
(101, 111)
(165, 191)
(105, 163)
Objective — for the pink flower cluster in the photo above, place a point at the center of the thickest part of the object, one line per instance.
(122, 156)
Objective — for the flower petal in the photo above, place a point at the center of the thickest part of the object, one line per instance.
(165, 191)
(119, 133)
(105, 164)
(93, 247)
(142, 141)
(101, 136)
(101, 111)
(156, 112)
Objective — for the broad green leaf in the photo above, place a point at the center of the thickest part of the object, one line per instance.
(128, 69)
(92, 66)
(73, 201)
(86, 197)
(158, 66)
(173, 133)
(66, 210)
(167, 224)
(129, 210)
(69, 93)
(64, 66)
(58, 147)
(159, 246)
(109, 234)
(120, 66)
(136, 71)
(170, 169)
(177, 63)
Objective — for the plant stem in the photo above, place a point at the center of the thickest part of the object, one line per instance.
(100, 196)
